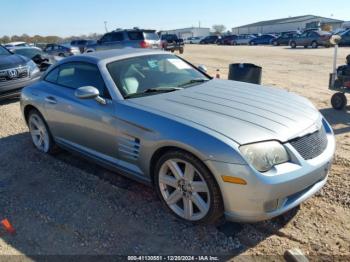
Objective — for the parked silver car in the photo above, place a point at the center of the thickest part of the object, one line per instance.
(62, 50)
(126, 38)
(242, 40)
(209, 147)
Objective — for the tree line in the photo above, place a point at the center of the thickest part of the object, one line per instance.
(45, 39)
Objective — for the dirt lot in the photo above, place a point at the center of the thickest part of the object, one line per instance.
(66, 205)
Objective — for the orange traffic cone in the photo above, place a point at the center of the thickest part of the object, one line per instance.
(7, 226)
(217, 74)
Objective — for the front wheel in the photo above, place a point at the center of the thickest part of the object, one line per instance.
(314, 44)
(293, 45)
(339, 101)
(187, 188)
(40, 133)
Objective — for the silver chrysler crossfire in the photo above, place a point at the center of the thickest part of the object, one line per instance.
(209, 147)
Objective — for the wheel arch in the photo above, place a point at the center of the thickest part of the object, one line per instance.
(166, 148)
(27, 110)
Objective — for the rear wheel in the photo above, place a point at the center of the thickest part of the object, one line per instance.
(339, 101)
(314, 44)
(275, 43)
(187, 188)
(293, 44)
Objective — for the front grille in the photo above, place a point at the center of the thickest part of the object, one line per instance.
(20, 72)
(312, 145)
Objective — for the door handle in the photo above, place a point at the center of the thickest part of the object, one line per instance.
(51, 100)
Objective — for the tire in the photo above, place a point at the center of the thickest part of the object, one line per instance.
(40, 133)
(314, 45)
(176, 188)
(305, 46)
(339, 101)
(275, 43)
(251, 43)
(293, 45)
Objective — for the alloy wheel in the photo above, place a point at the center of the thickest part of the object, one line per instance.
(184, 189)
(39, 133)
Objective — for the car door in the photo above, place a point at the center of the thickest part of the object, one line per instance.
(116, 40)
(105, 42)
(83, 124)
(345, 38)
(302, 39)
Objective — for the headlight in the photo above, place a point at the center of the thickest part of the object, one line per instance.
(265, 155)
(33, 68)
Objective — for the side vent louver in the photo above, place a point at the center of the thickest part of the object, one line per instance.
(129, 147)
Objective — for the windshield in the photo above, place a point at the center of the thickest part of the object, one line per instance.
(30, 52)
(4, 51)
(135, 76)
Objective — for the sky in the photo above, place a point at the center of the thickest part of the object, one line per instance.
(76, 17)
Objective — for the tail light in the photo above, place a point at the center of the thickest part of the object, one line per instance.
(144, 44)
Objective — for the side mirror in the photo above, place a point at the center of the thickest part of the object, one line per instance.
(335, 39)
(89, 92)
(203, 69)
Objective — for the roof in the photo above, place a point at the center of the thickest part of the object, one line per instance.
(187, 28)
(290, 20)
(112, 55)
(15, 43)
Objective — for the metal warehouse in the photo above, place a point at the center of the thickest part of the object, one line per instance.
(288, 24)
(189, 32)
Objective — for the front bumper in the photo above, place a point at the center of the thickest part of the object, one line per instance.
(271, 194)
(14, 87)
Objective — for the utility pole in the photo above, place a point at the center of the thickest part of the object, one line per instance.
(106, 26)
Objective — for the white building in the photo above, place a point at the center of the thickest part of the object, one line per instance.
(188, 32)
(287, 24)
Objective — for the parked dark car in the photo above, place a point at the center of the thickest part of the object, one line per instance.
(41, 59)
(312, 38)
(82, 44)
(226, 40)
(63, 50)
(16, 72)
(285, 38)
(262, 40)
(212, 39)
(170, 42)
(345, 38)
(121, 38)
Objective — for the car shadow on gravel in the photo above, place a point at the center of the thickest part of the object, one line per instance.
(338, 117)
(65, 204)
(9, 101)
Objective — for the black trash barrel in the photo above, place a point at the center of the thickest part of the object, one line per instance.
(249, 73)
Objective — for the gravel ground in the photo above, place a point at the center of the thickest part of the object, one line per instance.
(67, 205)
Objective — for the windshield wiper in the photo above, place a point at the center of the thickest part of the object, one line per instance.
(193, 81)
(155, 90)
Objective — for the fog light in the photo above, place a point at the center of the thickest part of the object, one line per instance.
(271, 205)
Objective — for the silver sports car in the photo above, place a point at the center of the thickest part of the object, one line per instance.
(209, 147)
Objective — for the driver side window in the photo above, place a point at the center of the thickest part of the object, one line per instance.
(74, 75)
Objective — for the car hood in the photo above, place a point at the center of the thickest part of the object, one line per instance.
(11, 61)
(245, 113)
